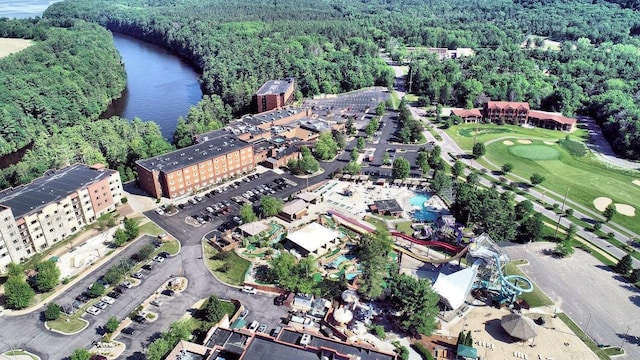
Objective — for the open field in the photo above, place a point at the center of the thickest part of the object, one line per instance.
(585, 178)
(10, 46)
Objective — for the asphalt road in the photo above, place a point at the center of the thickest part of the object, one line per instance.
(606, 312)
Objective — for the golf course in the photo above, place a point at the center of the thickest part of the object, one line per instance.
(539, 151)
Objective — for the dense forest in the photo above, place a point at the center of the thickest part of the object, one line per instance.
(51, 95)
(331, 46)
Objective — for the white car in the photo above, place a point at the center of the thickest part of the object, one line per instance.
(253, 326)
(108, 300)
(101, 305)
(159, 211)
(93, 310)
(126, 284)
(249, 290)
(158, 259)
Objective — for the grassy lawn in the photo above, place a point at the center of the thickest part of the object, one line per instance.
(20, 353)
(585, 339)
(198, 322)
(379, 224)
(535, 298)
(171, 246)
(561, 174)
(230, 270)
(74, 324)
(464, 134)
(405, 227)
(560, 168)
(151, 228)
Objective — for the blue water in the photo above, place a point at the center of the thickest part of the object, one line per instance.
(422, 214)
(351, 276)
(340, 259)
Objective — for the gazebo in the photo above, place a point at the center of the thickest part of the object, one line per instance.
(518, 326)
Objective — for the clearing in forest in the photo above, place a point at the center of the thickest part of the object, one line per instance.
(10, 46)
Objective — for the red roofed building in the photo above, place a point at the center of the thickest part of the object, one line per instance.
(553, 121)
(468, 115)
(517, 113)
(508, 112)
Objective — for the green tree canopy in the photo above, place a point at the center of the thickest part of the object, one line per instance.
(270, 206)
(401, 168)
(326, 147)
(417, 302)
(112, 324)
(213, 309)
(47, 277)
(18, 294)
(80, 354)
(52, 312)
(247, 214)
(624, 265)
(478, 150)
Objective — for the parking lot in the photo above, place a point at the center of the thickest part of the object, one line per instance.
(225, 201)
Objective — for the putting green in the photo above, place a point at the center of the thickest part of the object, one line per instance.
(535, 152)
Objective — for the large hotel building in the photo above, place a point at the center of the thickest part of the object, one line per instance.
(35, 216)
(187, 170)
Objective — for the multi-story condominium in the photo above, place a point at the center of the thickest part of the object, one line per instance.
(275, 94)
(182, 172)
(35, 216)
(517, 113)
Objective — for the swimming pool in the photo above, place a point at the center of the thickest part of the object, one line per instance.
(422, 214)
(339, 260)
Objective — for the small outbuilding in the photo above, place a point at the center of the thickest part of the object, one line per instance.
(294, 210)
(253, 228)
(386, 207)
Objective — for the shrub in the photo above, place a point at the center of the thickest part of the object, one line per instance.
(52, 312)
(378, 331)
(423, 351)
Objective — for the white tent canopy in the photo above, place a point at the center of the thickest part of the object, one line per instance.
(455, 288)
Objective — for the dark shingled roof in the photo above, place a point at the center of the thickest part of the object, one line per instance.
(390, 205)
(221, 143)
(54, 186)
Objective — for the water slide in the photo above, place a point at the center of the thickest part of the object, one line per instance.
(509, 284)
(429, 260)
(439, 244)
(355, 224)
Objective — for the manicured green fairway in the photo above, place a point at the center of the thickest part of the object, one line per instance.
(535, 151)
(585, 177)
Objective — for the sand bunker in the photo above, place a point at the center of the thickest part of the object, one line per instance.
(549, 142)
(524, 141)
(636, 182)
(509, 142)
(625, 209)
(601, 203)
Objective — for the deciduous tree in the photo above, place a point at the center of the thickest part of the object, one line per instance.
(47, 277)
(247, 214)
(18, 294)
(401, 168)
(270, 206)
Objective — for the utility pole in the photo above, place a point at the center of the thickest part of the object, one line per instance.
(624, 339)
(561, 211)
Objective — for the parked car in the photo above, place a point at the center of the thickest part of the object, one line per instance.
(159, 211)
(113, 295)
(253, 326)
(164, 254)
(137, 275)
(98, 357)
(158, 259)
(198, 198)
(156, 303)
(276, 331)
(101, 305)
(243, 314)
(262, 328)
(148, 266)
(108, 300)
(168, 292)
(93, 310)
(249, 290)
(140, 319)
(128, 331)
(126, 284)
(279, 300)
